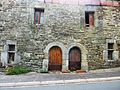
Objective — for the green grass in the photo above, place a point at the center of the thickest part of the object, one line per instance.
(15, 70)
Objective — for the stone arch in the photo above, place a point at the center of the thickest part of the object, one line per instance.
(50, 45)
(84, 63)
(46, 52)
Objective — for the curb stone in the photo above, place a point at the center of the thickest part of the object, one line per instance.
(75, 81)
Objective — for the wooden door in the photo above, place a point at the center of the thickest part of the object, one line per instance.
(55, 59)
(74, 59)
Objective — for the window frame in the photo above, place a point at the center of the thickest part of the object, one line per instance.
(40, 13)
(89, 18)
(114, 49)
(11, 53)
(110, 51)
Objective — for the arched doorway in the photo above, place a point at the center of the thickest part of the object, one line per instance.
(55, 59)
(74, 59)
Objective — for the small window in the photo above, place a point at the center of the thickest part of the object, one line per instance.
(89, 19)
(11, 57)
(11, 53)
(110, 51)
(110, 54)
(110, 45)
(38, 15)
(11, 47)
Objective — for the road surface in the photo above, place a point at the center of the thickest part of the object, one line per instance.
(107, 85)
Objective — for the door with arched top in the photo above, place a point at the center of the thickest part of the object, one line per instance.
(55, 59)
(74, 59)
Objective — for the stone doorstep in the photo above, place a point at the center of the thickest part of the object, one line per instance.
(77, 71)
(55, 72)
(81, 71)
(67, 71)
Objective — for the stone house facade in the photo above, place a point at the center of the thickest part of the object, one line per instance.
(52, 36)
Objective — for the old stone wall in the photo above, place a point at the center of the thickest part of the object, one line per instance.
(62, 23)
(108, 27)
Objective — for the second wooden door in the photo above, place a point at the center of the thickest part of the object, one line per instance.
(75, 59)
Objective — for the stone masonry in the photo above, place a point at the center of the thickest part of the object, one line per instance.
(63, 26)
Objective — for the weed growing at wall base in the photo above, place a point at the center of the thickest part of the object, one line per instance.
(15, 70)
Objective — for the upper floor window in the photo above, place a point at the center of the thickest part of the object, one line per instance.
(89, 19)
(38, 15)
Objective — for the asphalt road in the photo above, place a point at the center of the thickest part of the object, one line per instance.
(30, 77)
(107, 85)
